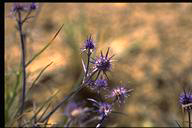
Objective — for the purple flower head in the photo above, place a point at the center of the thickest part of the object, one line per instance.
(120, 93)
(104, 108)
(33, 6)
(185, 99)
(89, 44)
(103, 63)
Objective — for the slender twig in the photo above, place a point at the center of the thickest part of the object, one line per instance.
(23, 61)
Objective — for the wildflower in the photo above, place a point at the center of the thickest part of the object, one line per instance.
(89, 45)
(185, 100)
(103, 108)
(120, 93)
(33, 6)
(103, 63)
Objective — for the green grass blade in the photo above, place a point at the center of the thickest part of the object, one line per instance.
(37, 78)
(42, 106)
(61, 103)
(12, 98)
(44, 112)
(46, 46)
(119, 113)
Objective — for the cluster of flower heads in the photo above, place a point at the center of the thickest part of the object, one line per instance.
(96, 78)
(19, 8)
(24, 7)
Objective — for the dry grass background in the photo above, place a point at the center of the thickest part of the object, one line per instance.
(152, 43)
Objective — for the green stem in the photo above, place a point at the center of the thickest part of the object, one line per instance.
(22, 61)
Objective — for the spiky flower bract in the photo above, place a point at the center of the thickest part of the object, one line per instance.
(103, 63)
(120, 93)
(104, 108)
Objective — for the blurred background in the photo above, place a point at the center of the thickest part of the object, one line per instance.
(152, 44)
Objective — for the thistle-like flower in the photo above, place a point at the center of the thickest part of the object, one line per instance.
(33, 6)
(103, 63)
(89, 45)
(103, 108)
(185, 100)
(119, 93)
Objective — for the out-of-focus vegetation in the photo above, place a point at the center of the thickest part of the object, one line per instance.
(152, 44)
